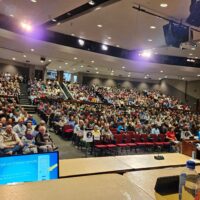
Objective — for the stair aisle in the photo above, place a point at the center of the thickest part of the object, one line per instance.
(24, 99)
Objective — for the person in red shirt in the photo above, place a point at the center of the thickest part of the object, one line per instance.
(171, 136)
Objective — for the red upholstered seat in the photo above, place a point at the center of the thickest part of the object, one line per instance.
(99, 146)
(131, 144)
(68, 131)
(122, 145)
(140, 143)
(111, 145)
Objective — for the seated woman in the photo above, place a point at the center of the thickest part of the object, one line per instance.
(43, 140)
(171, 136)
(10, 142)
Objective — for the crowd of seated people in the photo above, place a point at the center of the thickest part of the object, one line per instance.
(9, 84)
(124, 97)
(20, 133)
(83, 93)
(103, 119)
(39, 89)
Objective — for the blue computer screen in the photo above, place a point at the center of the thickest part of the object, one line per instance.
(28, 168)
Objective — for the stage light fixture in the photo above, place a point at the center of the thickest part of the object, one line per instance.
(26, 26)
(145, 54)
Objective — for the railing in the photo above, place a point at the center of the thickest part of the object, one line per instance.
(66, 91)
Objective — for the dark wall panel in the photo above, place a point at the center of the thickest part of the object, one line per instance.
(14, 69)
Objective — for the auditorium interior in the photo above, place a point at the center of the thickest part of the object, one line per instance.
(99, 99)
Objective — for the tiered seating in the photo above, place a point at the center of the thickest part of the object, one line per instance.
(83, 93)
(19, 132)
(130, 128)
(44, 89)
(125, 97)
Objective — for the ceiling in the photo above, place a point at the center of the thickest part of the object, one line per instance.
(121, 25)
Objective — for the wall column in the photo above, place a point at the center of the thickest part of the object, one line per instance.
(60, 75)
(32, 72)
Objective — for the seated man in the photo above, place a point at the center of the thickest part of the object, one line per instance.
(96, 133)
(43, 140)
(30, 118)
(29, 143)
(20, 128)
(10, 142)
(107, 133)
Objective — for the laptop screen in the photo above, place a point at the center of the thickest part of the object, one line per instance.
(29, 168)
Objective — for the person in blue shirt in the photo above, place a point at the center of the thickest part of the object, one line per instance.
(155, 130)
(30, 118)
(121, 127)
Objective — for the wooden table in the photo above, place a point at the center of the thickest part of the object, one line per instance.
(89, 166)
(146, 180)
(188, 146)
(98, 187)
(140, 162)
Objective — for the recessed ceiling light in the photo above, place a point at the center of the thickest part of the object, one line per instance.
(11, 15)
(196, 57)
(54, 20)
(163, 5)
(147, 75)
(190, 54)
(58, 24)
(165, 76)
(42, 61)
(75, 58)
(74, 69)
(198, 75)
(24, 56)
(104, 47)
(66, 63)
(109, 38)
(34, 1)
(81, 66)
(49, 60)
(72, 34)
(193, 48)
(161, 71)
(81, 42)
(183, 78)
(111, 74)
(160, 79)
(100, 26)
(117, 46)
(13, 58)
(32, 50)
(96, 68)
(92, 3)
(60, 67)
(150, 40)
(112, 71)
(129, 75)
(92, 61)
(152, 27)
(98, 8)
(97, 72)
(123, 67)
